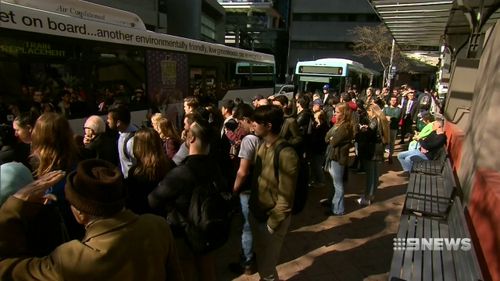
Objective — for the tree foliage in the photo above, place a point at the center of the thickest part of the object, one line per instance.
(375, 43)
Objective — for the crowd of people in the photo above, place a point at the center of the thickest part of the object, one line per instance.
(114, 203)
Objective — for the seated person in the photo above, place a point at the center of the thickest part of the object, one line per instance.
(427, 120)
(429, 147)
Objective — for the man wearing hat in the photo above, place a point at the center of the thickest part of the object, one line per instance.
(326, 93)
(118, 244)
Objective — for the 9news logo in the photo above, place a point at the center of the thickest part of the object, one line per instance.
(432, 244)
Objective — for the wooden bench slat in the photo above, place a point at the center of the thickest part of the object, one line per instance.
(428, 194)
(453, 264)
(437, 262)
(397, 256)
(427, 255)
(413, 226)
(448, 266)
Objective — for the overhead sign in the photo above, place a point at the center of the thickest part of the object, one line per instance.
(32, 20)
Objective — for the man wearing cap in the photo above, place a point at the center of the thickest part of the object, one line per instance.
(118, 244)
(326, 93)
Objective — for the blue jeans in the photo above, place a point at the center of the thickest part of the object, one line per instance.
(405, 158)
(246, 233)
(337, 173)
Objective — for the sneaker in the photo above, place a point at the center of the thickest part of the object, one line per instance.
(249, 268)
(363, 202)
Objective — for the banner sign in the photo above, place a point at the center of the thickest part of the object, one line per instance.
(33, 20)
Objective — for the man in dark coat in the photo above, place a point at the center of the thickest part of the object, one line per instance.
(172, 196)
(118, 244)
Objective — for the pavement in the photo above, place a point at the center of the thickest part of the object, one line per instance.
(356, 246)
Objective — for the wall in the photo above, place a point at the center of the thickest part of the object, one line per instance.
(473, 147)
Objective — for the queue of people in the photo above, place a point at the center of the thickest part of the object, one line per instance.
(118, 199)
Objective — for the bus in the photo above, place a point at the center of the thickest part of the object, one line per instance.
(340, 74)
(100, 54)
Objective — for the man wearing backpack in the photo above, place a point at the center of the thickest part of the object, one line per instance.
(272, 198)
(119, 119)
(173, 199)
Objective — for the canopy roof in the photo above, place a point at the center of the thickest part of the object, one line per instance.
(425, 25)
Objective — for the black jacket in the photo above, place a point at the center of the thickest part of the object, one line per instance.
(172, 196)
(433, 143)
(103, 147)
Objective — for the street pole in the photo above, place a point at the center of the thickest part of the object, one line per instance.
(390, 65)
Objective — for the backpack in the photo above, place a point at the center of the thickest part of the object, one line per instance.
(209, 217)
(302, 187)
(425, 102)
(124, 148)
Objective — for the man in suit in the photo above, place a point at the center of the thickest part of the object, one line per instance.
(408, 114)
(118, 244)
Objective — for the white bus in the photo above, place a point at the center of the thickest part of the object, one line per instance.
(97, 52)
(340, 74)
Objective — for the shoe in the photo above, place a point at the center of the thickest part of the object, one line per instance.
(250, 268)
(236, 268)
(331, 214)
(247, 268)
(363, 202)
(404, 174)
(325, 202)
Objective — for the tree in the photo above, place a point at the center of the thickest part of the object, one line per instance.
(375, 43)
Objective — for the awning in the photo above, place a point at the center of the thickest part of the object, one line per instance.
(419, 23)
(425, 25)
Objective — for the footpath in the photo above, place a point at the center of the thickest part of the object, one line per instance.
(356, 246)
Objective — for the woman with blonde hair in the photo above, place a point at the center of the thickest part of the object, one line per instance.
(168, 134)
(377, 133)
(54, 148)
(339, 139)
(53, 144)
(148, 171)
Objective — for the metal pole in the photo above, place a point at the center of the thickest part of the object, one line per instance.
(390, 64)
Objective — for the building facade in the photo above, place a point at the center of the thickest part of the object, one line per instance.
(321, 29)
(195, 19)
(260, 25)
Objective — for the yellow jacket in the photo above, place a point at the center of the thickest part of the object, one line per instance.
(272, 199)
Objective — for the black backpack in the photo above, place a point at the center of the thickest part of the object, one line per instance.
(209, 217)
(302, 187)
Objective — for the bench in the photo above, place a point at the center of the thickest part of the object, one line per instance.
(424, 264)
(432, 167)
(430, 195)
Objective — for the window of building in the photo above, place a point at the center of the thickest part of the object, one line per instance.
(335, 17)
(208, 27)
(321, 45)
